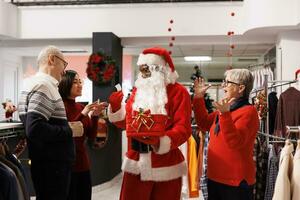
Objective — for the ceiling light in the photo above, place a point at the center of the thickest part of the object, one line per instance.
(197, 58)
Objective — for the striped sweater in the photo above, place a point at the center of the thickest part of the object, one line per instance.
(43, 114)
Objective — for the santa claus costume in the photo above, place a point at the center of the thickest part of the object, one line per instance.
(157, 119)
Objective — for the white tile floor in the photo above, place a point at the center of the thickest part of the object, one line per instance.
(111, 190)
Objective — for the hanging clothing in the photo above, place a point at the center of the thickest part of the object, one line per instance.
(283, 182)
(23, 194)
(8, 183)
(272, 103)
(194, 161)
(261, 169)
(271, 173)
(288, 111)
(203, 179)
(296, 175)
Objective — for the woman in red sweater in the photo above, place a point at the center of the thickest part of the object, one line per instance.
(70, 87)
(233, 128)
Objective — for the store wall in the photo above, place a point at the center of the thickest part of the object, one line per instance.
(10, 80)
(8, 20)
(288, 59)
(150, 20)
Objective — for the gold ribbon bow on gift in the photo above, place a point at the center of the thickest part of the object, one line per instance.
(142, 117)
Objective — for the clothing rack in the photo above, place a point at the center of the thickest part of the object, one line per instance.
(9, 130)
(266, 87)
(281, 83)
(276, 138)
(191, 84)
(261, 65)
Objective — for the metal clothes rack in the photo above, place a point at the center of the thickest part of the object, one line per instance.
(290, 129)
(10, 130)
(261, 65)
(266, 89)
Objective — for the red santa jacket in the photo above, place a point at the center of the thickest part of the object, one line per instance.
(167, 163)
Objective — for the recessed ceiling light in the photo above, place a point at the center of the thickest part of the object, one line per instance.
(197, 58)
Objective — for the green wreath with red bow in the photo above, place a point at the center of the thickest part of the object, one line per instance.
(101, 69)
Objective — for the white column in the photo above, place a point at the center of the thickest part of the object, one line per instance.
(287, 53)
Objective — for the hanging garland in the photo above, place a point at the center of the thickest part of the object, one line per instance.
(101, 69)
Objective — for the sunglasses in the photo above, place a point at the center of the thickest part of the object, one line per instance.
(64, 62)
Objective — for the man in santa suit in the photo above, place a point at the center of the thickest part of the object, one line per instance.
(157, 119)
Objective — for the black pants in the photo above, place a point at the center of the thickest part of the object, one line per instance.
(219, 191)
(81, 186)
(51, 180)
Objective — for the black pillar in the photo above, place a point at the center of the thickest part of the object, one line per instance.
(106, 162)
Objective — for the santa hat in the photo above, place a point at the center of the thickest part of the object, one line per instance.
(156, 56)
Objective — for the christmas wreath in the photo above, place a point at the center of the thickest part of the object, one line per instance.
(101, 69)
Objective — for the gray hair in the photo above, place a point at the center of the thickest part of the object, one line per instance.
(243, 77)
(45, 52)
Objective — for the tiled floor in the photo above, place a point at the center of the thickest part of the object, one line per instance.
(111, 190)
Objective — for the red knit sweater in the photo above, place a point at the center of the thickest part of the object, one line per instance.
(230, 153)
(73, 111)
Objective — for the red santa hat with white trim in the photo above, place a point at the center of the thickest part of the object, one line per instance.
(158, 56)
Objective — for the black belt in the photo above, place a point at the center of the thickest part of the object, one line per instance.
(140, 147)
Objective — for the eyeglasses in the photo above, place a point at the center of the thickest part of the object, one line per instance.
(226, 82)
(64, 62)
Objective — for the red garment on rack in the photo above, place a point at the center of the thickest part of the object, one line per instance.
(288, 111)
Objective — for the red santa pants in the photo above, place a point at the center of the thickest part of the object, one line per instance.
(135, 189)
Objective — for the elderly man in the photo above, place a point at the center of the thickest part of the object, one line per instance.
(49, 135)
(157, 120)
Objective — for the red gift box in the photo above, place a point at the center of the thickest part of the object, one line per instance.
(143, 123)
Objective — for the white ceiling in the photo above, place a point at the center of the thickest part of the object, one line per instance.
(249, 47)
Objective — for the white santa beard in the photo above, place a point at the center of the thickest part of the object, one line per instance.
(151, 93)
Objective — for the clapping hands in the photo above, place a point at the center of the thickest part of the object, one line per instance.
(223, 105)
(95, 108)
(200, 88)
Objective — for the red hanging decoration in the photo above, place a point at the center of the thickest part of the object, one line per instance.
(229, 54)
(170, 44)
(173, 38)
(232, 46)
(229, 33)
(169, 29)
(232, 14)
(171, 21)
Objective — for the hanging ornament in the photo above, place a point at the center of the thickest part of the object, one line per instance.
(170, 52)
(229, 54)
(229, 67)
(173, 38)
(170, 44)
(171, 21)
(232, 46)
(232, 14)
(229, 33)
(169, 29)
